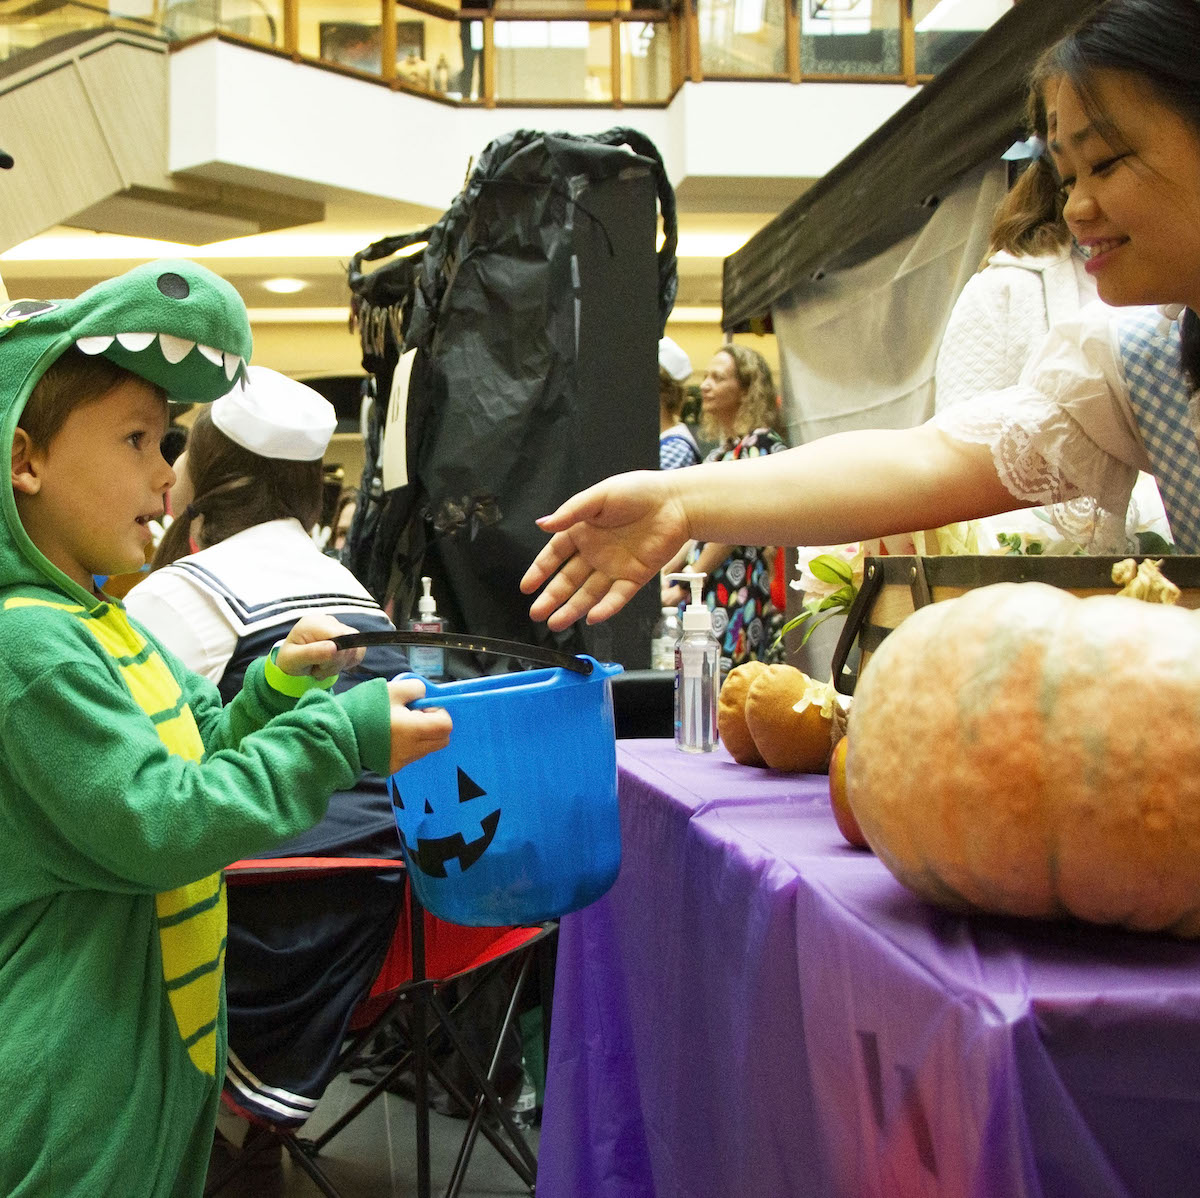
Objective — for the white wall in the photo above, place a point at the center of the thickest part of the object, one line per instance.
(242, 115)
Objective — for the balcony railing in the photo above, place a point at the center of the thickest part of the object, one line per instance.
(548, 52)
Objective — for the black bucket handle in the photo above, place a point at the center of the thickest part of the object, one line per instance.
(844, 681)
(474, 644)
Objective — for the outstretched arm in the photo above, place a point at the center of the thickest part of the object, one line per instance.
(614, 537)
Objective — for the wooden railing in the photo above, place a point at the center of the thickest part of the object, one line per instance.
(541, 51)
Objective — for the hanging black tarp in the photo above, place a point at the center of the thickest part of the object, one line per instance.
(886, 188)
(534, 312)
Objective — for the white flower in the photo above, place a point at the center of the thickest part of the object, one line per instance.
(835, 566)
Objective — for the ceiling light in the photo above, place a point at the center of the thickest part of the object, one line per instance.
(298, 315)
(284, 286)
(695, 314)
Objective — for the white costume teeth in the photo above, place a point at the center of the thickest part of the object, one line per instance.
(174, 349)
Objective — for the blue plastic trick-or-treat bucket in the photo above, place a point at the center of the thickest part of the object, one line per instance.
(515, 821)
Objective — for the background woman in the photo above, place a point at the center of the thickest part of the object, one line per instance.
(740, 413)
(676, 445)
(1033, 277)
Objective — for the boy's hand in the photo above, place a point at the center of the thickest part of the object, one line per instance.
(415, 733)
(309, 649)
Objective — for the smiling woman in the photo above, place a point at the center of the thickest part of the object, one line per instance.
(1107, 394)
(1139, 253)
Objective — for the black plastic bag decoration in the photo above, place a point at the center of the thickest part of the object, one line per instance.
(502, 421)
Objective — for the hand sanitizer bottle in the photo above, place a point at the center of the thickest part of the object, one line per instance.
(697, 673)
(662, 645)
(426, 660)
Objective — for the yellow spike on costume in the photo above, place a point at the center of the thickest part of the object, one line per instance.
(192, 918)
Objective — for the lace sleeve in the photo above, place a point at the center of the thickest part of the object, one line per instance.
(1043, 456)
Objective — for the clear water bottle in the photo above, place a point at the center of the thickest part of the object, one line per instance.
(666, 634)
(524, 1110)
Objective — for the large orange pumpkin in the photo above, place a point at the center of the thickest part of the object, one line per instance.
(1024, 751)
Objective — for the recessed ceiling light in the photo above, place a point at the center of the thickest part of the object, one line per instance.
(284, 286)
(299, 315)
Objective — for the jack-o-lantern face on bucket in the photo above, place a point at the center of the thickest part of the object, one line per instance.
(432, 838)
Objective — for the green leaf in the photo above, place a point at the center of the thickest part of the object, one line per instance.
(813, 628)
(1150, 542)
(818, 610)
(830, 569)
(792, 624)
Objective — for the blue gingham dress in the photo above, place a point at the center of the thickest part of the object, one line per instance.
(1161, 402)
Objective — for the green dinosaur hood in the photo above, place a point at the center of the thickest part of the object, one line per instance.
(173, 323)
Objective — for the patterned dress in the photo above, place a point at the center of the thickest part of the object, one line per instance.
(738, 592)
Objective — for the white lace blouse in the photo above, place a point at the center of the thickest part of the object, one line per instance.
(1066, 435)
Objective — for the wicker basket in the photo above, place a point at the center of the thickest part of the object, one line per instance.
(894, 587)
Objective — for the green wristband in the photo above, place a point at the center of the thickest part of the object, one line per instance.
(289, 684)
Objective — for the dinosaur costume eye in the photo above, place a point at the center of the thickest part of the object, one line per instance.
(24, 309)
(174, 286)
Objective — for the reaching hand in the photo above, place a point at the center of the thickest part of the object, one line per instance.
(608, 542)
(309, 648)
(415, 731)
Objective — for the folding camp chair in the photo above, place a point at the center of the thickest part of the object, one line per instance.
(425, 955)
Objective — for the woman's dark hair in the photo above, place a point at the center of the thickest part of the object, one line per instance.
(759, 408)
(236, 489)
(1029, 219)
(1153, 39)
(670, 395)
(1156, 40)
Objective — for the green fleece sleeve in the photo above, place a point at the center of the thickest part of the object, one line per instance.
(257, 703)
(116, 811)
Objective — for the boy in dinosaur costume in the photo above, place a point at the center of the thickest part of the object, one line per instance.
(125, 787)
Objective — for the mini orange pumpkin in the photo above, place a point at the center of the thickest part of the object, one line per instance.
(791, 720)
(731, 713)
(839, 800)
(1025, 751)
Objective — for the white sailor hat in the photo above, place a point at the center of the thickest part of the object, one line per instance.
(674, 361)
(276, 417)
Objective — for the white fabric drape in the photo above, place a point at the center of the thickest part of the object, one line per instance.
(857, 347)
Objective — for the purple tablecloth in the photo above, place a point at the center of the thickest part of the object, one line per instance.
(756, 1008)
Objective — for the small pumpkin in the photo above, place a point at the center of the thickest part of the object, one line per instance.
(1025, 751)
(839, 800)
(790, 717)
(731, 713)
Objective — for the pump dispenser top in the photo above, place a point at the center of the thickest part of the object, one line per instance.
(426, 607)
(696, 616)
